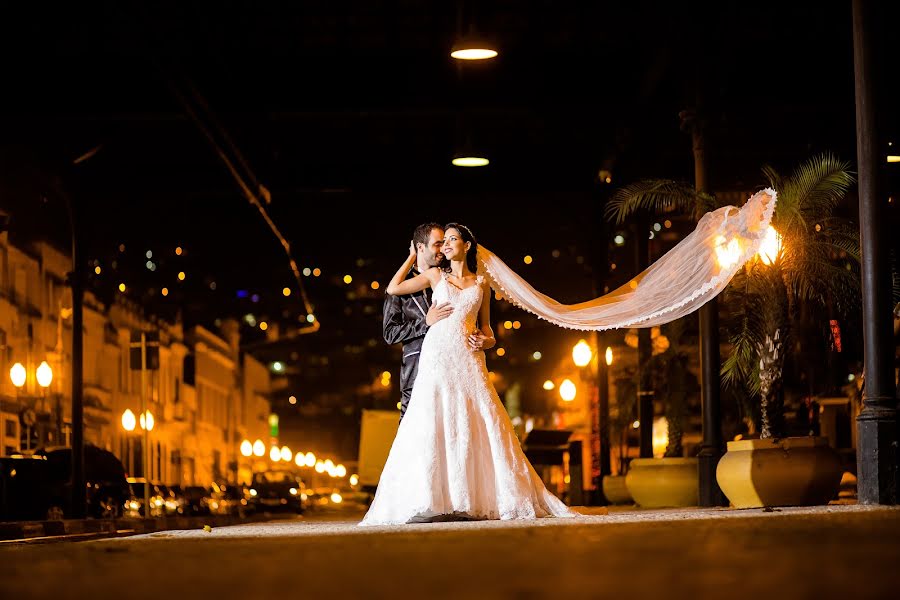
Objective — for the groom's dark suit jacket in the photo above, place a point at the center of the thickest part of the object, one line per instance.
(404, 323)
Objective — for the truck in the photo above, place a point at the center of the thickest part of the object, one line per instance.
(376, 435)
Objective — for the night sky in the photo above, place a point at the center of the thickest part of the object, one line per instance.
(349, 113)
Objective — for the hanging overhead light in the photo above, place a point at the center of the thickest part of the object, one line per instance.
(469, 48)
(466, 160)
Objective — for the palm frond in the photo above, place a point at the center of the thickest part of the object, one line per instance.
(813, 191)
(772, 176)
(659, 196)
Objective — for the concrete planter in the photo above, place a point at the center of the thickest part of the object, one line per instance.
(664, 482)
(794, 471)
(615, 490)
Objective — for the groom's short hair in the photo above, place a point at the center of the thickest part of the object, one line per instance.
(422, 232)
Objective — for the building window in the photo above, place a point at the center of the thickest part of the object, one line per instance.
(11, 429)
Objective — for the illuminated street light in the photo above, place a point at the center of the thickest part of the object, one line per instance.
(582, 354)
(770, 248)
(340, 471)
(44, 375)
(300, 459)
(567, 390)
(148, 421)
(246, 448)
(129, 422)
(275, 454)
(286, 454)
(259, 449)
(609, 356)
(17, 375)
(549, 385)
(310, 459)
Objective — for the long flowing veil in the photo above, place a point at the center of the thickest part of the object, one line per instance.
(680, 282)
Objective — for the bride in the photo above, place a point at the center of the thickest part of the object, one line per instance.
(456, 454)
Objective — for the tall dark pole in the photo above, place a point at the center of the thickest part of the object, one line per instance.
(79, 496)
(710, 362)
(601, 275)
(877, 423)
(645, 352)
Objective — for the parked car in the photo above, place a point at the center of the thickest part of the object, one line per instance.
(104, 474)
(277, 490)
(26, 493)
(172, 504)
(228, 499)
(196, 500)
(135, 504)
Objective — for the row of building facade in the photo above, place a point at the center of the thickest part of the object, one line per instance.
(205, 398)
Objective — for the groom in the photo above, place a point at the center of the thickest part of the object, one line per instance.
(407, 318)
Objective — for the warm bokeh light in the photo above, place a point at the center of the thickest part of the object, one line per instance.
(375, 285)
(300, 460)
(528, 260)
(517, 324)
(178, 250)
(507, 324)
(636, 425)
(97, 270)
(286, 292)
(354, 479)
(17, 375)
(549, 385)
(310, 459)
(727, 252)
(286, 454)
(263, 325)
(501, 351)
(386, 375)
(122, 287)
(44, 374)
(165, 291)
(667, 224)
(181, 276)
(660, 436)
(892, 158)
(147, 421)
(471, 161)
(317, 271)
(129, 421)
(536, 356)
(337, 498)
(473, 52)
(609, 356)
(310, 318)
(340, 471)
(582, 354)
(292, 399)
(307, 271)
(348, 279)
(770, 248)
(320, 467)
(275, 454)
(567, 390)
(259, 448)
(246, 448)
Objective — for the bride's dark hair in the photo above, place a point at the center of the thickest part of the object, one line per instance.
(467, 236)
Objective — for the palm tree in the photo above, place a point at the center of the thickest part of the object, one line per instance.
(815, 262)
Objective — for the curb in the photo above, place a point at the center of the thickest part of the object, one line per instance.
(24, 530)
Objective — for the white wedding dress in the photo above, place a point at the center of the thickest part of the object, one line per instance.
(456, 454)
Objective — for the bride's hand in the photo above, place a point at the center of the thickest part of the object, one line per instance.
(476, 340)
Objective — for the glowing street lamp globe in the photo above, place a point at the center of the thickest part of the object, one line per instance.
(44, 375)
(582, 354)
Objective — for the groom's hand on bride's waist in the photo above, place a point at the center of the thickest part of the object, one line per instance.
(438, 312)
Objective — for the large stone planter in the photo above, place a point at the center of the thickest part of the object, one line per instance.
(615, 491)
(794, 471)
(663, 482)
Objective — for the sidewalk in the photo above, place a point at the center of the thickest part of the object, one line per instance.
(75, 529)
(821, 552)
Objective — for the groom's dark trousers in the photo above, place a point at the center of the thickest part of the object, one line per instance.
(404, 323)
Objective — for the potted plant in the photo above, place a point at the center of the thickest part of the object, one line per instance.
(672, 479)
(812, 259)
